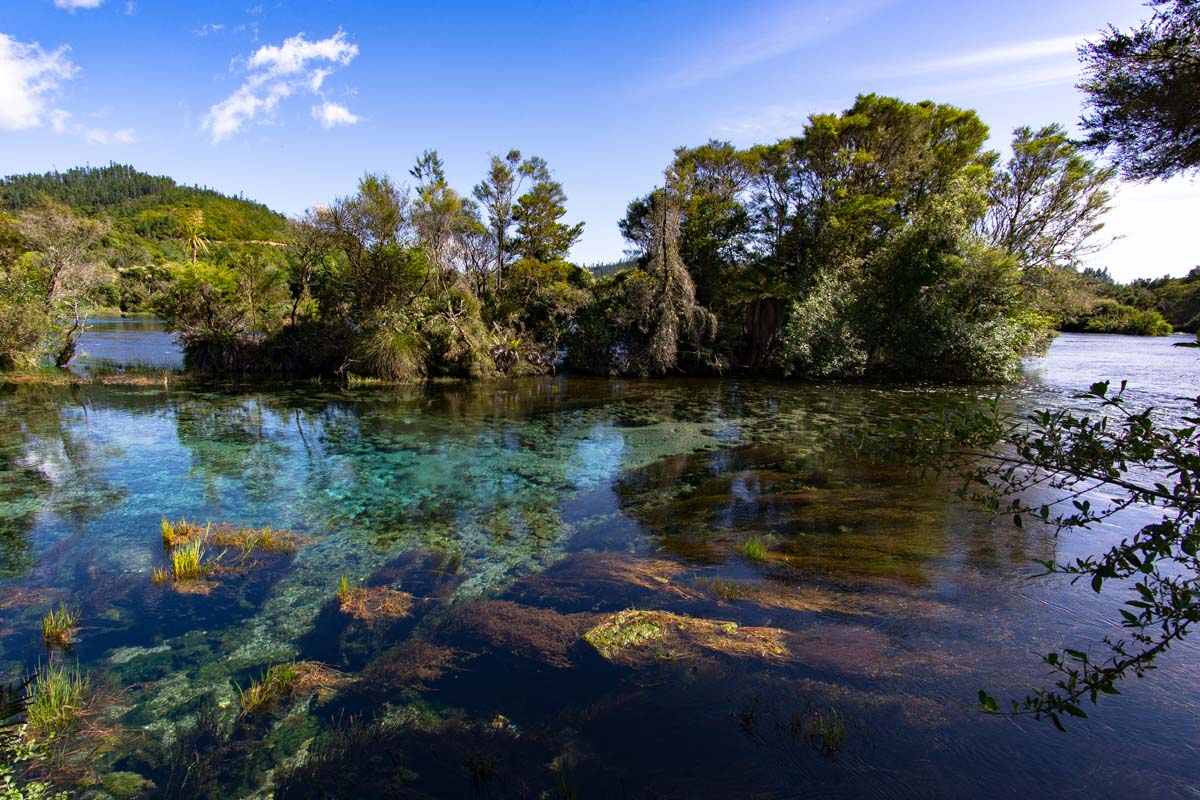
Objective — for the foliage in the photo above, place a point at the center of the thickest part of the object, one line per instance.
(16, 749)
(1110, 317)
(1096, 467)
(1047, 203)
(1143, 89)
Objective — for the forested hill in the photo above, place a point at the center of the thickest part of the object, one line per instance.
(142, 206)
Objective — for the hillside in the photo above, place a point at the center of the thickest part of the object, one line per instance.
(142, 209)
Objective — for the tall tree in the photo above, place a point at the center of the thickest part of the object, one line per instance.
(1143, 87)
(661, 297)
(541, 234)
(70, 275)
(437, 211)
(1048, 201)
(496, 195)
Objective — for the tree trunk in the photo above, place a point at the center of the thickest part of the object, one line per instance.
(764, 320)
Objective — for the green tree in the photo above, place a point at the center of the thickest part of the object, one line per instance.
(1143, 89)
(1047, 203)
(496, 194)
(541, 235)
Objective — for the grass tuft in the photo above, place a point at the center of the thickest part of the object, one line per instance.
(180, 532)
(825, 730)
(56, 701)
(275, 685)
(188, 561)
(58, 627)
(756, 548)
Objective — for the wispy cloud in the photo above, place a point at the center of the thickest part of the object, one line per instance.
(62, 122)
(29, 78)
(276, 72)
(1003, 55)
(72, 5)
(331, 115)
(208, 28)
(789, 28)
(770, 123)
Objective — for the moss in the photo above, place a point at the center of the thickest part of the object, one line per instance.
(633, 638)
(127, 785)
(624, 630)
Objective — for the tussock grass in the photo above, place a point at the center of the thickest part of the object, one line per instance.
(284, 682)
(276, 684)
(180, 532)
(56, 701)
(756, 548)
(58, 626)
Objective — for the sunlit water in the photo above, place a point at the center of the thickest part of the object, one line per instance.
(519, 516)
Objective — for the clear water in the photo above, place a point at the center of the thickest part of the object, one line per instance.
(519, 516)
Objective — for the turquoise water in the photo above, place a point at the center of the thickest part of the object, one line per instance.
(523, 520)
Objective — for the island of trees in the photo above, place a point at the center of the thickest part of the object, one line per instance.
(882, 241)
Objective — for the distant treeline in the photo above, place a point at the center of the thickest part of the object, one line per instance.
(882, 241)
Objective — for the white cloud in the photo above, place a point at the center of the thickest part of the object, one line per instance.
(207, 28)
(71, 5)
(995, 56)
(331, 115)
(276, 72)
(294, 55)
(29, 76)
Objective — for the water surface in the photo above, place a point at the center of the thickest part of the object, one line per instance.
(519, 517)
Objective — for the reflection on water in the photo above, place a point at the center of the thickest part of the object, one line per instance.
(560, 588)
(129, 341)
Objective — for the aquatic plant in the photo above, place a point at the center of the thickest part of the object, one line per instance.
(180, 532)
(58, 625)
(188, 561)
(56, 701)
(267, 540)
(756, 548)
(282, 682)
(624, 630)
(825, 730)
(625, 638)
(18, 749)
(276, 684)
(372, 603)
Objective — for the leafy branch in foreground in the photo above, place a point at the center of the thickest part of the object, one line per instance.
(1127, 457)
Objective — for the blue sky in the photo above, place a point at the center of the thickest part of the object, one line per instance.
(290, 101)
